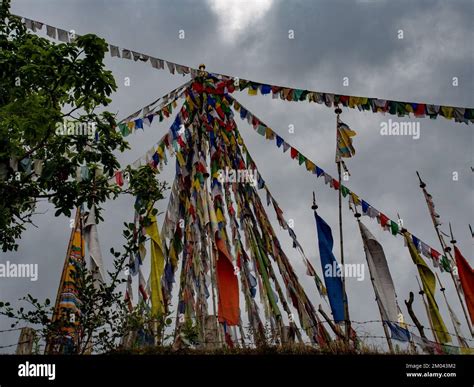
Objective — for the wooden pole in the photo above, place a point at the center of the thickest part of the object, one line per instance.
(26, 341)
(456, 330)
(333, 326)
(338, 111)
(242, 334)
(214, 280)
(422, 293)
(447, 250)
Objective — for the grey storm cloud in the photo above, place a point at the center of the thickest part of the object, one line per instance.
(332, 40)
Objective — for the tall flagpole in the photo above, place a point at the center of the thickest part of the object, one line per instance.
(447, 250)
(338, 111)
(461, 340)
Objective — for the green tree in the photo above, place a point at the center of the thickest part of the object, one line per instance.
(45, 87)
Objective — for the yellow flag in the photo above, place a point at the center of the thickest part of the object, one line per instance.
(157, 267)
(180, 158)
(429, 286)
(220, 216)
(190, 102)
(355, 199)
(344, 141)
(309, 165)
(447, 111)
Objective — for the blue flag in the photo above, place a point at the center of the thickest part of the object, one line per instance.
(332, 276)
(398, 333)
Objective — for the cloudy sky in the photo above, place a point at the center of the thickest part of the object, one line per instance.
(332, 39)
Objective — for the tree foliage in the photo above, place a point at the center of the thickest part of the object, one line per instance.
(105, 316)
(45, 87)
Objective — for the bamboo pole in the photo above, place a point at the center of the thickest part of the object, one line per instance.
(213, 268)
(335, 328)
(422, 293)
(338, 111)
(456, 330)
(211, 258)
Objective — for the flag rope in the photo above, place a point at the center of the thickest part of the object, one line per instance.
(376, 105)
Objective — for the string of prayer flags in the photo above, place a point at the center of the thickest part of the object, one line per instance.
(376, 105)
(387, 224)
(132, 123)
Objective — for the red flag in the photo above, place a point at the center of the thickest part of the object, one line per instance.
(119, 178)
(466, 276)
(383, 220)
(228, 286)
(228, 340)
(293, 153)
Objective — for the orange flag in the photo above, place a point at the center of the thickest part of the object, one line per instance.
(466, 276)
(228, 286)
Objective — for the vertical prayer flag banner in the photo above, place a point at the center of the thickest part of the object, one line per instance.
(457, 327)
(330, 269)
(228, 286)
(68, 304)
(429, 286)
(157, 267)
(466, 276)
(383, 284)
(91, 236)
(380, 273)
(344, 141)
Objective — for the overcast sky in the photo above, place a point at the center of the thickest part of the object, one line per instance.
(332, 40)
